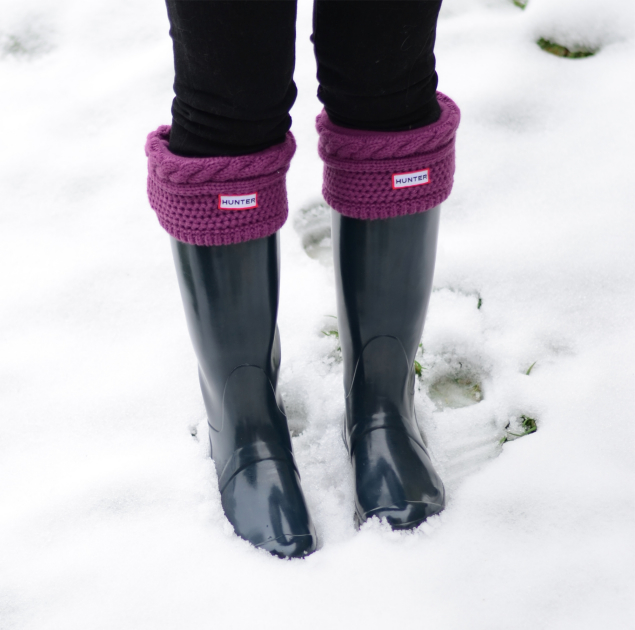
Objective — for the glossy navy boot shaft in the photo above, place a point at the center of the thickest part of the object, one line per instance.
(230, 296)
(383, 271)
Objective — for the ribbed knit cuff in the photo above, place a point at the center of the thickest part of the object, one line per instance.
(218, 200)
(384, 174)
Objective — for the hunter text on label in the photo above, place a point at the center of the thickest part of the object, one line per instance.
(238, 202)
(416, 178)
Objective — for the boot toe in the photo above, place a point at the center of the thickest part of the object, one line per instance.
(407, 515)
(290, 546)
(265, 504)
(395, 480)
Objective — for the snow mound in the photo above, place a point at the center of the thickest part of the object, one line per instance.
(582, 24)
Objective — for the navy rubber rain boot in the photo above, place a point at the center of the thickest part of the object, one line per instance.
(230, 296)
(383, 271)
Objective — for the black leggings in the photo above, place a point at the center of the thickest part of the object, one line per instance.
(234, 64)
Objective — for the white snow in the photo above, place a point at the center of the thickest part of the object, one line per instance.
(110, 513)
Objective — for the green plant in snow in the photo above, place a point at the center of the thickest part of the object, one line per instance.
(333, 332)
(475, 391)
(530, 368)
(528, 425)
(562, 51)
(25, 44)
(418, 367)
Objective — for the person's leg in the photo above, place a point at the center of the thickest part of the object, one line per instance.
(387, 140)
(375, 62)
(216, 180)
(233, 65)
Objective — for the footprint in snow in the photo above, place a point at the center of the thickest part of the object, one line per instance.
(463, 433)
(313, 224)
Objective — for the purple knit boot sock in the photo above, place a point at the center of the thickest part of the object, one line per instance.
(384, 174)
(218, 200)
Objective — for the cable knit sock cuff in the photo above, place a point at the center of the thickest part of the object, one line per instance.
(218, 200)
(384, 174)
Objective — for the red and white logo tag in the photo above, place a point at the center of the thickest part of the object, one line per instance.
(406, 180)
(238, 202)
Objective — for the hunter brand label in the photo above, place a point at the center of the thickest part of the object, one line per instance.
(238, 202)
(406, 180)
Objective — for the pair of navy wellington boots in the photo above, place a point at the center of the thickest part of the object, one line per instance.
(384, 272)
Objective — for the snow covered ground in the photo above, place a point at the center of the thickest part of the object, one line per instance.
(109, 512)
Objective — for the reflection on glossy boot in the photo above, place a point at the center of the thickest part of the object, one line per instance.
(230, 295)
(384, 272)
